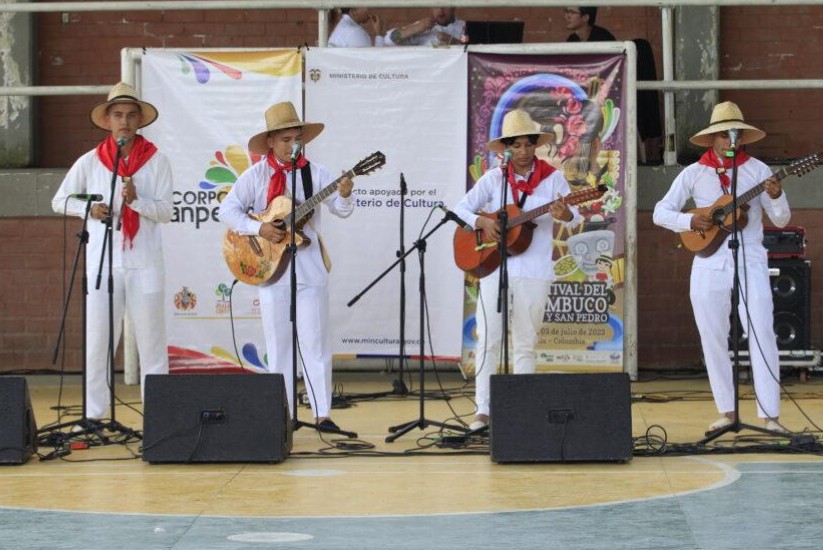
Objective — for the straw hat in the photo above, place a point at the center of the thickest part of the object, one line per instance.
(122, 93)
(517, 123)
(727, 116)
(281, 116)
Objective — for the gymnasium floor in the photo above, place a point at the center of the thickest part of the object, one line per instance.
(413, 494)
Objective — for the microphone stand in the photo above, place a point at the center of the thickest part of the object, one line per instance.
(108, 247)
(291, 250)
(734, 244)
(399, 387)
(421, 422)
(83, 239)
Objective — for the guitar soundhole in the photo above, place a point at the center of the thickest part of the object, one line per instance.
(718, 216)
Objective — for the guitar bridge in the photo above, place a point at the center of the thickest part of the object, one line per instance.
(484, 246)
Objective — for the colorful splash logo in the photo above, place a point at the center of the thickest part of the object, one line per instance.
(225, 168)
(202, 67)
(185, 300)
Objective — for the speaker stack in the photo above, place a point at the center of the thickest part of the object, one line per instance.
(583, 417)
(790, 276)
(18, 429)
(216, 418)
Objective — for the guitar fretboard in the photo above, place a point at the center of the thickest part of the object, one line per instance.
(306, 207)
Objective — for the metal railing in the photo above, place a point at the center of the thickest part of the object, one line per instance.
(668, 85)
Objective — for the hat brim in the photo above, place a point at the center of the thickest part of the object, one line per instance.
(259, 145)
(496, 145)
(147, 110)
(705, 138)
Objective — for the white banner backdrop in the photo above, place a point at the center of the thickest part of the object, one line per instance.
(209, 105)
(410, 104)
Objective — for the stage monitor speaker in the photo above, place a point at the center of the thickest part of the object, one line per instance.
(790, 280)
(18, 429)
(792, 302)
(216, 418)
(560, 417)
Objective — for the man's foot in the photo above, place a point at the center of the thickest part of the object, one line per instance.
(480, 422)
(773, 425)
(722, 422)
(327, 425)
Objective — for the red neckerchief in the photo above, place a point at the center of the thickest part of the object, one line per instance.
(711, 160)
(141, 151)
(277, 184)
(541, 171)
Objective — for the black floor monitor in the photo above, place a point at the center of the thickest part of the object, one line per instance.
(495, 32)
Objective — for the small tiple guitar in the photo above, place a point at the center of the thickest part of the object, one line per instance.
(255, 260)
(477, 254)
(705, 243)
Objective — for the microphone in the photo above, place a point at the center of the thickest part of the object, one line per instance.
(455, 218)
(507, 156)
(733, 135)
(121, 141)
(86, 197)
(295, 150)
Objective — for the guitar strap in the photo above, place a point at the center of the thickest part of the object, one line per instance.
(308, 191)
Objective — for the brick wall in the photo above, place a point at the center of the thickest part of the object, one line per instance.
(84, 48)
(31, 283)
(31, 293)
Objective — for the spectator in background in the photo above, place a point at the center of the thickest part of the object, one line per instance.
(441, 29)
(355, 28)
(581, 22)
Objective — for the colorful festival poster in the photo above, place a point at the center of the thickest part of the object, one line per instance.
(579, 101)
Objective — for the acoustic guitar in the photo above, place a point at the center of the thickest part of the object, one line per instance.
(705, 243)
(477, 254)
(255, 260)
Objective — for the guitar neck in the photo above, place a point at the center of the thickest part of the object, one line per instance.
(306, 207)
(524, 217)
(756, 190)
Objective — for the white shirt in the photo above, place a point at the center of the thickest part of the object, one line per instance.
(536, 261)
(702, 184)
(153, 183)
(349, 34)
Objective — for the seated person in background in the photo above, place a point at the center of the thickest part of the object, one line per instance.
(355, 27)
(441, 29)
(581, 22)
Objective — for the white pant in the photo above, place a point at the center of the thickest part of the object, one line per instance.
(527, 304)
(711, 301)
(140, 291)
(313, 339)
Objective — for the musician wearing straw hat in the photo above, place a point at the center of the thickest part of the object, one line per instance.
(705, 182)
(142, 202)
(529, 183)
(281, 146)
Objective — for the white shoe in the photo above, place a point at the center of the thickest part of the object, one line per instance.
(477, 425)
(721, 422)
(774, 426)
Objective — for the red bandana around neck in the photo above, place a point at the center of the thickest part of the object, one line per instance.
(141, 151)
(541, 171)
(722, 166)
(277, 184)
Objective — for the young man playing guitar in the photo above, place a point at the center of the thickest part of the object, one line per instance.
(269, 180)
(707, 182)
(530, 182)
